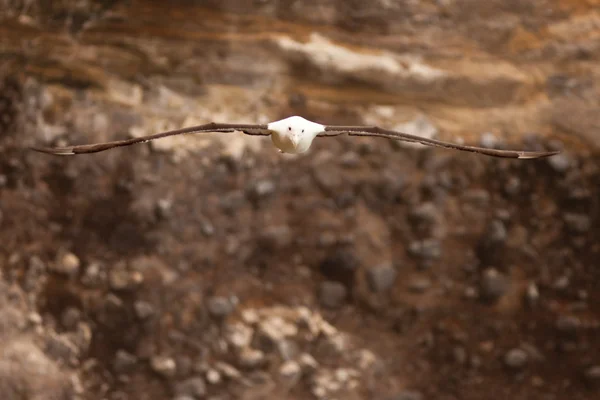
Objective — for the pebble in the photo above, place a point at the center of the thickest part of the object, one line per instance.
(220, 307)
(163, 365)
(489, 140)
(332, 294)
(340, 265)
(276, 237)
(273, 330)
(496, 232)
(239, 335)
(493, 285)
(143, 309)
(350, 159)
(227, 370)
(532, 294)
(287, 349)
(382, 277)
(213, 376)
(60, 347)
(308, 363)
(123, 362)
(119, 278)
(568, 324)
(428, 249)
(406, 395)
(516, 358)
(512, 186)
(94, 275)
(290, 371)
(579, 223)
(426, 213)
(261, 189)
(70, 317)
(560, 162)
(194, 388)
(419, 285)
(250, 316)
(593, 373)
(251, 358)
(163, 208)
(67, 264)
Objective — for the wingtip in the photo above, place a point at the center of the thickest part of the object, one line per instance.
(59, 151)
(537, 154)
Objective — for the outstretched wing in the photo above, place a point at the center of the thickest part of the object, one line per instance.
(375, 131)
(249, 129)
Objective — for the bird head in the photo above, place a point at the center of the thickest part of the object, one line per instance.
(294, 134)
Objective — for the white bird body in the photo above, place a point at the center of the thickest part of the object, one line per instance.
(295, 134)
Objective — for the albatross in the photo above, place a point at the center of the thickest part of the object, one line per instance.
(294, 135)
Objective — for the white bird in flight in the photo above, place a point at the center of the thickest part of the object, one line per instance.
(294, 135)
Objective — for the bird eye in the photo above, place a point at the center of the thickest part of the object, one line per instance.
(289, 128)
(302, 130)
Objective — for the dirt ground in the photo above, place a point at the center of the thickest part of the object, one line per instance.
(213, 267)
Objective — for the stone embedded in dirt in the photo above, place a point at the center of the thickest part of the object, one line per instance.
(493, 284)
(261, 189)
(213, 376)
(61, 348)
(250, 358)
(194, 388)
(516, 358)
(427, 249)
(560, 162)
(184, 397)
(219, 306)
(512, 185)
(350, 159)
(476, 197)
(579, 223)
(163, 208)
(123, 362)
(593, 374)
(227, 370)
(532, 294)
(489, 140)
(120, 279)
(290, 372)
(568, 324)
(307, 363)
(419, 285)
(340, 265)
(143, 309)
(163, 365)
(94, 275)
(495, 233)
(406, 395)
(382, 277)
(275, 237)
(66, 264)
(239, 335)
(70, 317)
(425, 213)
(332, 294)
(26, 372)
(327, 381)
(287, 349)
(272, 330)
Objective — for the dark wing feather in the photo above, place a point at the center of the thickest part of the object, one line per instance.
(395, 135)
(248, 129)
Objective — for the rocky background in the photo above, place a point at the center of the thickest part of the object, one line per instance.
(212, 267)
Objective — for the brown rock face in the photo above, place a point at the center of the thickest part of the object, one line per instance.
(210, 266)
